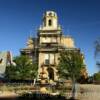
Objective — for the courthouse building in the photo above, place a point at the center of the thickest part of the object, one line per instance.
(46, 47)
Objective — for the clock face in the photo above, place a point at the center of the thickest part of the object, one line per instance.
(50, 14)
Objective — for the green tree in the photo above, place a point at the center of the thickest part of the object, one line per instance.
(70, 65)
(96, 77)
(10, 72)
(97, 52)
(23, 70)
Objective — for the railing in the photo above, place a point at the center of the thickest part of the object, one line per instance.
(48, 49)
(49, 63)
(43, 28)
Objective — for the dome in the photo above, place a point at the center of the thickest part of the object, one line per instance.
(30, 43)
(68, 41)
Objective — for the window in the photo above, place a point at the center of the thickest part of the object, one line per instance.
(52, 58)
(50, 22)
(46, 59)
(49, 58)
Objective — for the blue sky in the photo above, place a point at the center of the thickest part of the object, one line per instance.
(79, 18)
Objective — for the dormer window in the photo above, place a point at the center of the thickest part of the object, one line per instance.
(50, 22)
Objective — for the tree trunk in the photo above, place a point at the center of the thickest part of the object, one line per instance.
(73, 87)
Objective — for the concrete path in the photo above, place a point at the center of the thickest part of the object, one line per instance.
(90, 92)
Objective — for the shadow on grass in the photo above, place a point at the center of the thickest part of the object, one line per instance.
(37, 96)
(40, 96)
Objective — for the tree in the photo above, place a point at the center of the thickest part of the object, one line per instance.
(97, 77)
(97, 52)
(83, 75)
(70, 64)
(24, 69)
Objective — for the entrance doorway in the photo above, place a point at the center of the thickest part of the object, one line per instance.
(50, 73)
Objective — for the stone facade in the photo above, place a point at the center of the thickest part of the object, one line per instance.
(6, 59)
(46, 47)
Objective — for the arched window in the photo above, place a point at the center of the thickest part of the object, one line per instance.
(50, 22)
